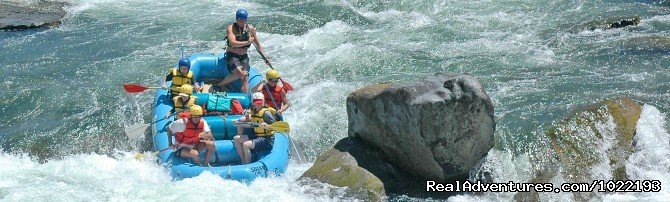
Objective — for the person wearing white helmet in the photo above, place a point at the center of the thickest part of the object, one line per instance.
(262, 138)
(193, 135)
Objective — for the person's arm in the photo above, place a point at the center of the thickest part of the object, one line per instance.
(205, 126)
(259, 47)
(234, 42)
(285, 104)
(259, 86)
(268, 118)
(244, 119)
(167, 78)
(169, 136)
(206, 131)
(196, 86)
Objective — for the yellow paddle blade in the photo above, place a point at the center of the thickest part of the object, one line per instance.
(281, 126)
(140, 156)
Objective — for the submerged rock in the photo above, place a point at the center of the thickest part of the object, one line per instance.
(614, 23)
(604, 130)
(649, 44)
(436, 128)
(43, 14)
(593, 143)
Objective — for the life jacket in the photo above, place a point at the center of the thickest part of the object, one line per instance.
(180, 105)
(192, 133)
(179, 79)
(276, 92)
(240, 35)
(257, 118)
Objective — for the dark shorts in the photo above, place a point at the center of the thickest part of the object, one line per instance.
(263, 143)
(234, 60)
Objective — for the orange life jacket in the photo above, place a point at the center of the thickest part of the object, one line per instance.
(276, 91)
(192, 133)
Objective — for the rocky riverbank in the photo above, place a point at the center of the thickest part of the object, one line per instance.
(42, 14)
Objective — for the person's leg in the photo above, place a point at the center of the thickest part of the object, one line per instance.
(263, 143)
(244, 64)
(248, 146)
(235, 69)
(230, 78)
(191, 153)
(239, 141)
(207, 145)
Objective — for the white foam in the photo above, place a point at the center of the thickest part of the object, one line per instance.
(651, 158)
(93, 177)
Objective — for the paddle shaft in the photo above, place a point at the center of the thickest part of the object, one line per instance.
(295, 146)
(287, 86)
(263, 56)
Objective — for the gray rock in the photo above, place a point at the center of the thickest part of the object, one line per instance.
(43, 14)
(436, 128)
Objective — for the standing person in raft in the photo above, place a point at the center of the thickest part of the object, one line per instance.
(193, 135)
(261, 116)
(180, 76)
(240, 36)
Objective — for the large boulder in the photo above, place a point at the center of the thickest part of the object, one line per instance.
(41, 14)
(436, 128)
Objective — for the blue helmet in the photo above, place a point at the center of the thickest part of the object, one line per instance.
(185, 62)
(242, 14)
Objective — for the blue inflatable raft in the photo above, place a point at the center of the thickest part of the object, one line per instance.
(225, 161)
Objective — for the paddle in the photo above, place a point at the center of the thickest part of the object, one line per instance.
(287, 86)
(135, 131)
(137, 88)
(140, 156)
(280, 126)
(295, 152)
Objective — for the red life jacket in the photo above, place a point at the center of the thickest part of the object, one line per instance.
(277, 91)
(192, 133)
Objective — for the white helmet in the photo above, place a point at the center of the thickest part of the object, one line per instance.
(257, 95)
(178, 126)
